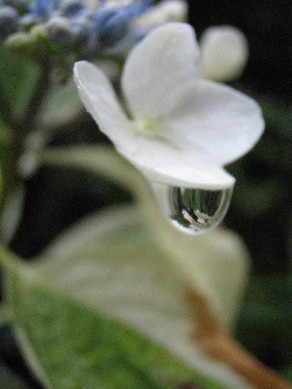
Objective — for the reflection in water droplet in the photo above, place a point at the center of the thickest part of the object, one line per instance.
(193, 210)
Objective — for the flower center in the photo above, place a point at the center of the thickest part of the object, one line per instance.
(147, 126)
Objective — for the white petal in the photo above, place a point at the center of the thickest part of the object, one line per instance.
(99, 98)
(158, 67)
(220, 119)
(189, 167)
(224, 53)
(174, 162)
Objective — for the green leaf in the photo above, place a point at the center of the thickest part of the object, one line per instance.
(105, 307)
(80, 348)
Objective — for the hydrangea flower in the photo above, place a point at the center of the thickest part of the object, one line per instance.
(179, 129)
(86, 26)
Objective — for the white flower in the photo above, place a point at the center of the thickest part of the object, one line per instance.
(224, 53)
(179, 129)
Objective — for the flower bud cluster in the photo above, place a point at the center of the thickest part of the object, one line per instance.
(81, 26)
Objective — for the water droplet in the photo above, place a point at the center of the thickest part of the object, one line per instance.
(193, 210)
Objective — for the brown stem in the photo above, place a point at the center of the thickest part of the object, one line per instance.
(217, 343)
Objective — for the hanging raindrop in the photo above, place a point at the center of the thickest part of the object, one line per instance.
(193, 210)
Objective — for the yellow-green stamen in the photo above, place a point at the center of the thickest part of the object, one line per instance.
(147, 126)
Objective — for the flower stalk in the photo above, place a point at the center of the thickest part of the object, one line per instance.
(217, 343)
(30, 120)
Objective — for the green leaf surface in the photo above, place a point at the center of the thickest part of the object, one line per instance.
(79, 348)
(105, 308)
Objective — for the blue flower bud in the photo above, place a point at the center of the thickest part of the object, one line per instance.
(73, 8)
(81, 28)
(41, 8)
(6, 2)
(93, 47)
(58, 31)
(74, 24)
(8, 21)
(111, 24)
(101, 16)
(137, 7)
(114, 29)
(29, 20)
(139, 33)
